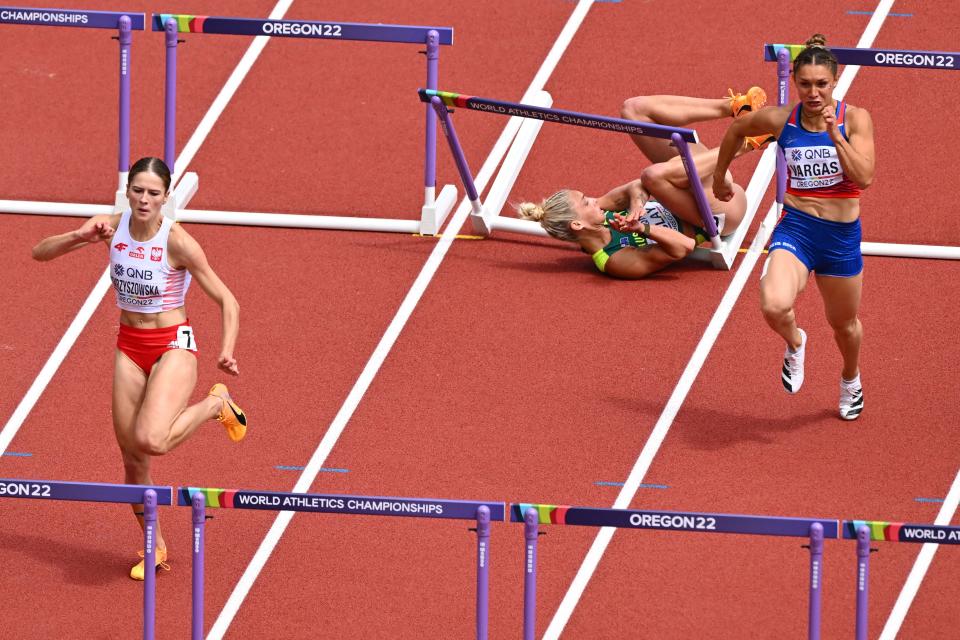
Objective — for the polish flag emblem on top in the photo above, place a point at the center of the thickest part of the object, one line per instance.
(156, 254)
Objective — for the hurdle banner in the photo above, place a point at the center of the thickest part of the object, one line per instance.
(302, 28)
(81, 491)
(70, 18)
(435, 207)
(675, 520)
(876, 57)
(561, 116)
(336, 503)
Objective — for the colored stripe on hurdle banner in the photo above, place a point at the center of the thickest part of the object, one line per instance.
(70, 18)
(902, 532)
(410, 34)
(876, 57)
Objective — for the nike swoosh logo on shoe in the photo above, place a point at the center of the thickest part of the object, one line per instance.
(238, 412)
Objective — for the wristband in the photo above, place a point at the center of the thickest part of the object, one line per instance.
(646, 229)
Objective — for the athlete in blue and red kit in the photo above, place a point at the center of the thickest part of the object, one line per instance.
(829, 149)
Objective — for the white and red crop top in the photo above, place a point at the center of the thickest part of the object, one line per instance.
(813, 165)
(142, 278)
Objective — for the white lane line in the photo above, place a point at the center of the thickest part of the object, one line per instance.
(250, 574)
(66, 342)
(692, 370)
(920, 566)
(60, 352)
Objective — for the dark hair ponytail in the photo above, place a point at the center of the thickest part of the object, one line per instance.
(816, 53)
(152, 165)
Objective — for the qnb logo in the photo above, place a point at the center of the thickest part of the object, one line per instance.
(796, 154)
(156, 254)
(118, 270)
(137, 253)
(120, 246)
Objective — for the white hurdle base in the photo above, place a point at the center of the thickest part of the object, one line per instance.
(297, 221)
(909, 251)
(433, 215)
(54, 208)
(183, 192)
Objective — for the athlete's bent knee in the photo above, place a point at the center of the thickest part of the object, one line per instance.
(775, 309)
(847, 329)
(635, 109)
(151, 443)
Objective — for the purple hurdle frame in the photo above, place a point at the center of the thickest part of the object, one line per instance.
(531, 532)
(483, 572)
(199, 513)
(450, 132)
(816, 581)
(125, 38)
(149, 562)
(783, 97)
(863, 580)
(432, 37)
(170, 96)
(441, 100)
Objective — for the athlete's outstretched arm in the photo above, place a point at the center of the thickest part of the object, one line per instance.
(187, 253)
(769, 120)
(99, 228)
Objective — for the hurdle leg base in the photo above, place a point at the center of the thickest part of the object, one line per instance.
(182, 194)
(433, 215)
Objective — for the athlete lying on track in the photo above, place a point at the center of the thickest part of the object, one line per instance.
(649, 223)
(152, 260)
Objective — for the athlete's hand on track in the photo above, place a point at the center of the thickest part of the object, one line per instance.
(723, 189)
(92, 231)
(229, 364)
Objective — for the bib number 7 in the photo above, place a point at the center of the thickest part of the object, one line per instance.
(185, 339)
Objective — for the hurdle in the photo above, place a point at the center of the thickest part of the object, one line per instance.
(486, 219)
(482, 512)
(783, 54)
(815, 529)
(435, 208)
(125, 22)
(149, 496)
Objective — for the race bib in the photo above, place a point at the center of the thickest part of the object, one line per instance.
(185, 339)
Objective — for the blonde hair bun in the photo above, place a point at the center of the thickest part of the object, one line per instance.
(530, 211)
